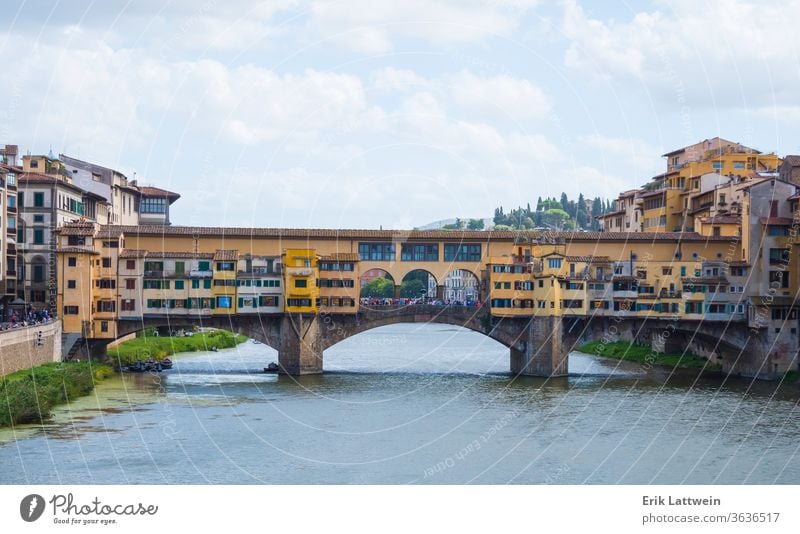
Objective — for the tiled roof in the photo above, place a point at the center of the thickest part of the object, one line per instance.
(77, 250)
(158, 192)
(408, 235)
(226, 255)
(164, 254)
(341, 256)
(109, 232)
(653, 193)
(792, 161)
(130, 253)
(721, 219)
(775, 220)
(610, 214)
(705, 281)
(589, 259)
(13, 150)
(77, 228)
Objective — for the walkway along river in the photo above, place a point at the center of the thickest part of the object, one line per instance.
(412, 404)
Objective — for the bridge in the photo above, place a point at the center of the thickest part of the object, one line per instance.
(538, 346)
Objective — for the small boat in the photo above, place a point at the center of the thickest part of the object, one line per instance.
(213, 349)
(272, 368)
(166, 363)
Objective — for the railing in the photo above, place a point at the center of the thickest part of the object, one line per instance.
(194, 273)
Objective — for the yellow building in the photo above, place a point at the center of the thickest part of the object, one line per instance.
(300, 280)
(224, 281)
(338, 282)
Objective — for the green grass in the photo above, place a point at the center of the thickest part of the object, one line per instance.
(623, 350)
(27, 396)
(791, 377)
(158, 348)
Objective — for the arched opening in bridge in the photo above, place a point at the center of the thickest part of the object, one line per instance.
(376, 284)
(418, 284)
(415, 348)
(461, 287)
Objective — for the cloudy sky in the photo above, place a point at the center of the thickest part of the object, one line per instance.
(368, 113)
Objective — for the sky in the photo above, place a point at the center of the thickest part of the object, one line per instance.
(368, 114)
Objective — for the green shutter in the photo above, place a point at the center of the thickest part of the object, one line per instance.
(241, 302)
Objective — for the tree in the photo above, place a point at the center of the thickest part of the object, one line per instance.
(412, 289)
(539, 204)
(564, 202)
(475, 224)
(379, 288)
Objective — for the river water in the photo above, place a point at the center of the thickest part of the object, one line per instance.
(403, 404)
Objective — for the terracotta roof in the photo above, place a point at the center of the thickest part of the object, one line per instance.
(158, 192)
(792, 161)
(653, 193)
(130, 253)
(610, 214)
(705, 281)
(77, 228)
(77, 250)
(341, 256)
(226, 255)
(164, 254)
(10, 150)
(776, 220)
(589, 259)
(109, 232)
(408, 235)
(721, 219)
(795, 197)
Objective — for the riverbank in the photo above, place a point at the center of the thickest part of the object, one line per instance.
(158, 348)
(27, 396)
(623, 350)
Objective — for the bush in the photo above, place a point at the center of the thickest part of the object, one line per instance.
(27, 396)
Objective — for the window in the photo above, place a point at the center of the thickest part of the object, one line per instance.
(71, 284)
(666, 271)
(12, 201)
(778, 256)
(105, 283)
(72, 261)
(106, 306)
(204, 266)
(777, 279)
(206, 284)
(554, 263)
(106, 263)
(38, 200)
(376, 251)
(717, 165)
(224, 302)
(226, 266)
(153, 205)
(775, 230)
(179, 284)
(298, 302)
(465, 252)
(415, 252)
(111, 244)
(301, 282)
(130, 265)
(128, 305)
(738, 165)
(268, 301)
(38, 236)
(717, 231)
(195, 284)
(130, 283)
(70, 310)
(153, 266)
(38, 273)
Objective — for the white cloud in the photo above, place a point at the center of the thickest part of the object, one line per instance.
(636, 155)
(717, 53)
(513, 97)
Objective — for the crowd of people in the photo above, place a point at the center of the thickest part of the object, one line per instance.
(30, 318)
(417, 302)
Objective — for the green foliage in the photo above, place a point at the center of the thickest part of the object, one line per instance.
(379, 288)
(412, 289)
(554, 214)
(27, 396)
(623, 350)
(158, 348)
(475, 224)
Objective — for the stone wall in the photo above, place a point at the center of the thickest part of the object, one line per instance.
(20, 349)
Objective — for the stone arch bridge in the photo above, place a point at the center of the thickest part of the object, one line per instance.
(538, 346)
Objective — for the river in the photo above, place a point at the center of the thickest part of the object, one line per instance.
(425, 404)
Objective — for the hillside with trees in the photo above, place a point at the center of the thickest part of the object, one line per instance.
(553, 214)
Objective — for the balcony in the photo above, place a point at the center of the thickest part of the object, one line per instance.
(154, 274)
(299, 271)
(194, 273)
